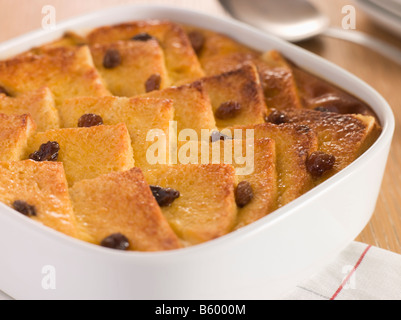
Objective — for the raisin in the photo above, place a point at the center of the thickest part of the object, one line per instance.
(197, 41)
(164, 196)
(47, 152)
(4, 91)
(116, 241)
(228, 110)
(112, 59)
(277, 117)
(24, 208)
(142, 37)
(153, 83)
(90, 120)
(318, 163)
(243, 194)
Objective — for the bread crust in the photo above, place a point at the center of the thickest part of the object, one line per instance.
(189, 216)
(121, 202)
(39, 104)
(44, 186)
(87, 153)
(181, 61)
(139, 61)
(67, 71)
(15, 131)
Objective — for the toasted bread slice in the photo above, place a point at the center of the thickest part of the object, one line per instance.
(254, 161)
(42, 185)
(39, 104)
(206, 207)
(344, 136)
(139, 61)
(293, 145)
(277, 77)
(139, 114)
(263, 180)
(241, 86)
(216, 46)
(222, 54)
(68, 72)
(196, 103)
(192, 106)
(69, 39)
(89, 152)
(121, 202)
(181, 61)
(14, 134)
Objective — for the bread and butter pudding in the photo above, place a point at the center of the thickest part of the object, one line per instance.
(79, 118)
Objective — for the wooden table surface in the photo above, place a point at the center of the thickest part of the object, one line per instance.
(384, 230)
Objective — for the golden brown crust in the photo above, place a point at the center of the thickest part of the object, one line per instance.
(344, 136)
(206, 208)
(193, 109)
(222, 54)
(14, 134)
(254, 161)
(122, 202)
(42, 185)
(68, 72)
(182, 63)
(139, 61)
(242, 86)
(263, 181)
(139, 114)
(69, 39)
(278, 81)
(87, 153)
(293, 145)
(217, 46)
(196, 103)
(39, 104)
(237, 89)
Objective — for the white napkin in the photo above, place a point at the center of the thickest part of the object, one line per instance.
(361, 272)
(3, 296)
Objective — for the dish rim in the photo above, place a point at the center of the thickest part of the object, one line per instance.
(383, 110)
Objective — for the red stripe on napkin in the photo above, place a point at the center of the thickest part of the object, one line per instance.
(350, 274)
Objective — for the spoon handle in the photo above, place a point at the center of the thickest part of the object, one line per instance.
(387, 50)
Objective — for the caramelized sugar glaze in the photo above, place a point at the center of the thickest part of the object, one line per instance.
(320, 94)
(314, 92)
(75, 115)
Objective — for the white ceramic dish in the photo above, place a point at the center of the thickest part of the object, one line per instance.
(261, 261)
(387, 13)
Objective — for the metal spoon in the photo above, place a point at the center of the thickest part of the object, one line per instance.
(291, 20)
(297, 20)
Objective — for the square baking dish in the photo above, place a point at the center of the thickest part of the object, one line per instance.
(260, 261)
